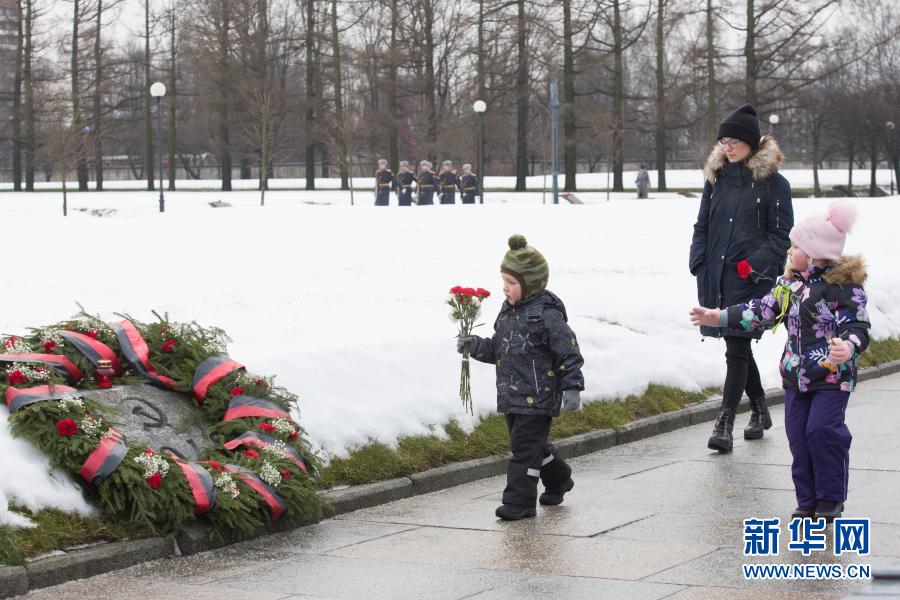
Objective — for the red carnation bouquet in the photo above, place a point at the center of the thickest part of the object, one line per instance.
(465, 308)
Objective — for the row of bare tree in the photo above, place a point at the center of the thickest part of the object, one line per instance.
(334, 84)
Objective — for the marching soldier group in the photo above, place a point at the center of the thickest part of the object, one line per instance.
(425, 184)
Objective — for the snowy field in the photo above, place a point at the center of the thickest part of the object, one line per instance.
(675, 178)
(345, 304)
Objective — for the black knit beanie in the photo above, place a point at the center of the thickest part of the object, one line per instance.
(742, 124)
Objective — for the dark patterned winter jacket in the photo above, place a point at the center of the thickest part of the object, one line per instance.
(830, 303)
(536, 354)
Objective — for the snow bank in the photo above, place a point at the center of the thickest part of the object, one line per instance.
(345, 304)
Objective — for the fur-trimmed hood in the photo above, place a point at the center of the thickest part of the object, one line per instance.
(762, 164)
(849, 270)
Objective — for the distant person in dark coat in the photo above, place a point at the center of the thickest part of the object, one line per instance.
(739, 248)
(384, 183)
(643, 183)
(426, 184)
(405, 178)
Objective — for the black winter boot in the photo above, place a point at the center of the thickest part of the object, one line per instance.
(760, 419)
(511, 512)
(721, 439)
(829, 510)
(554, 496)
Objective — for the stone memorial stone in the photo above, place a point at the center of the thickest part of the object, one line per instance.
(161, 419)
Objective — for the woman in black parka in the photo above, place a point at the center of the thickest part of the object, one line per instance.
(739, 248)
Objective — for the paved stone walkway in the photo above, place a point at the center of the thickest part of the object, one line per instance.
(658, 518)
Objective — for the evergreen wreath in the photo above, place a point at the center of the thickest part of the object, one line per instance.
(264, 470)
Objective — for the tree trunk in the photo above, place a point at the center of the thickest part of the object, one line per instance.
(224, 103)
(310, 120)
(339, 134)
(816, 133)
(521, 100)
(712, 117)
(430, 90)
(148, 116)
(851, 155)
(393, 135)
(173, 96)
(752, 70)
(98, 100)
(79, 145)
(570, 149)
(17, 101)
(873, 180)
(482, 95)
(28, 84)
(618, 100)
(660, 96)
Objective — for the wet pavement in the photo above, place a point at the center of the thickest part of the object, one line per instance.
(657, 518)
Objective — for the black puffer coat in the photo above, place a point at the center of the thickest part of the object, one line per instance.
(536, 354)
(745, 214)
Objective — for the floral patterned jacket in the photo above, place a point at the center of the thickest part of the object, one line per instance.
(829, 303)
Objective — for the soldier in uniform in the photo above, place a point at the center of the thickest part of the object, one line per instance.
(385, 181)
(449, 182)
(426, 184)
(406, 178)
(469, 185)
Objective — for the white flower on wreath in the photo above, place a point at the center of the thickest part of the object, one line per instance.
(269, 474)
(225, 482)
(95, 428)
(276, 448)
(17, 346)
(283, 427)
(34, 373)
(71, 402)
(52, 335)
(152, 464)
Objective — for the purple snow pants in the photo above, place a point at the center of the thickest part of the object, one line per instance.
(820, 445)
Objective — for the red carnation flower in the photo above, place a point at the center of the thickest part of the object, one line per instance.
(148, 452)
(455, 289)
(285, 474)
(215, 466)
(91, 334)
(49, 346)
(169, 346)
(66, 427)
(251, 454)
(266, 427)
(155, 480)
(16, 378)
(744, 269)
(482, 293)
(237, 391)
(293, 435)
(468, 291)
(9, 343)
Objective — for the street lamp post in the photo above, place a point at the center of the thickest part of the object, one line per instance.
(158, 90)
(890, 127)
(554, 138)
(479, 107)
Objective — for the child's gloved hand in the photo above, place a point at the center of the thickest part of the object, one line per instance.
(472, 340)
(571, 400)
(705, 316)
(839, 351)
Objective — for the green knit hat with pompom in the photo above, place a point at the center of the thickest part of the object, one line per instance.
(527, 265)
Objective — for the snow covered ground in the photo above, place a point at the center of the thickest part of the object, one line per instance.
(345, 304)
(675, 178)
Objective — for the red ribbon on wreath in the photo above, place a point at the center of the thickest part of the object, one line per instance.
(136, 352)
(241, 407)
(276, 503)
(201, 483)
(92, 349)
(58, 362)
(106, 458)
(210, 371)
(261, 440)
(17, 398)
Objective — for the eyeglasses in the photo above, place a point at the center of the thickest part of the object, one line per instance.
(729, 143)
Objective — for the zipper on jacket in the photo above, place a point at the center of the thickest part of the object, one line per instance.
(758, 225)
(537, 389)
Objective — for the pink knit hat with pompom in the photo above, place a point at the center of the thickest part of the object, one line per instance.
(822, 237)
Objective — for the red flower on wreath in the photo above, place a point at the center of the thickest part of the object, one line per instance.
(10, 342)
(251, 454)
(16, 378)
(215, 466)
(744, 269)
(148, 452)
(285, 475)
(293, 435)
(267, 427)
(91, 334)
(66, 427)
(237, 391)
(262, 383)
(155, 480)
(169, 345)
(49, 346)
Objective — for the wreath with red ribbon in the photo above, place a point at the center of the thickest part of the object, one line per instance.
(264, 470)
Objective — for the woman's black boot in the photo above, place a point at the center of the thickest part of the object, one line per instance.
(760, 419)
(721, 439)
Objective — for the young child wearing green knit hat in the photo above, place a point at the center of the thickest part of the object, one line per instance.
(538, 372)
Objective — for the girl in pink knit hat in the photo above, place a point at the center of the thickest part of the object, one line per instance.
(822, 300)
